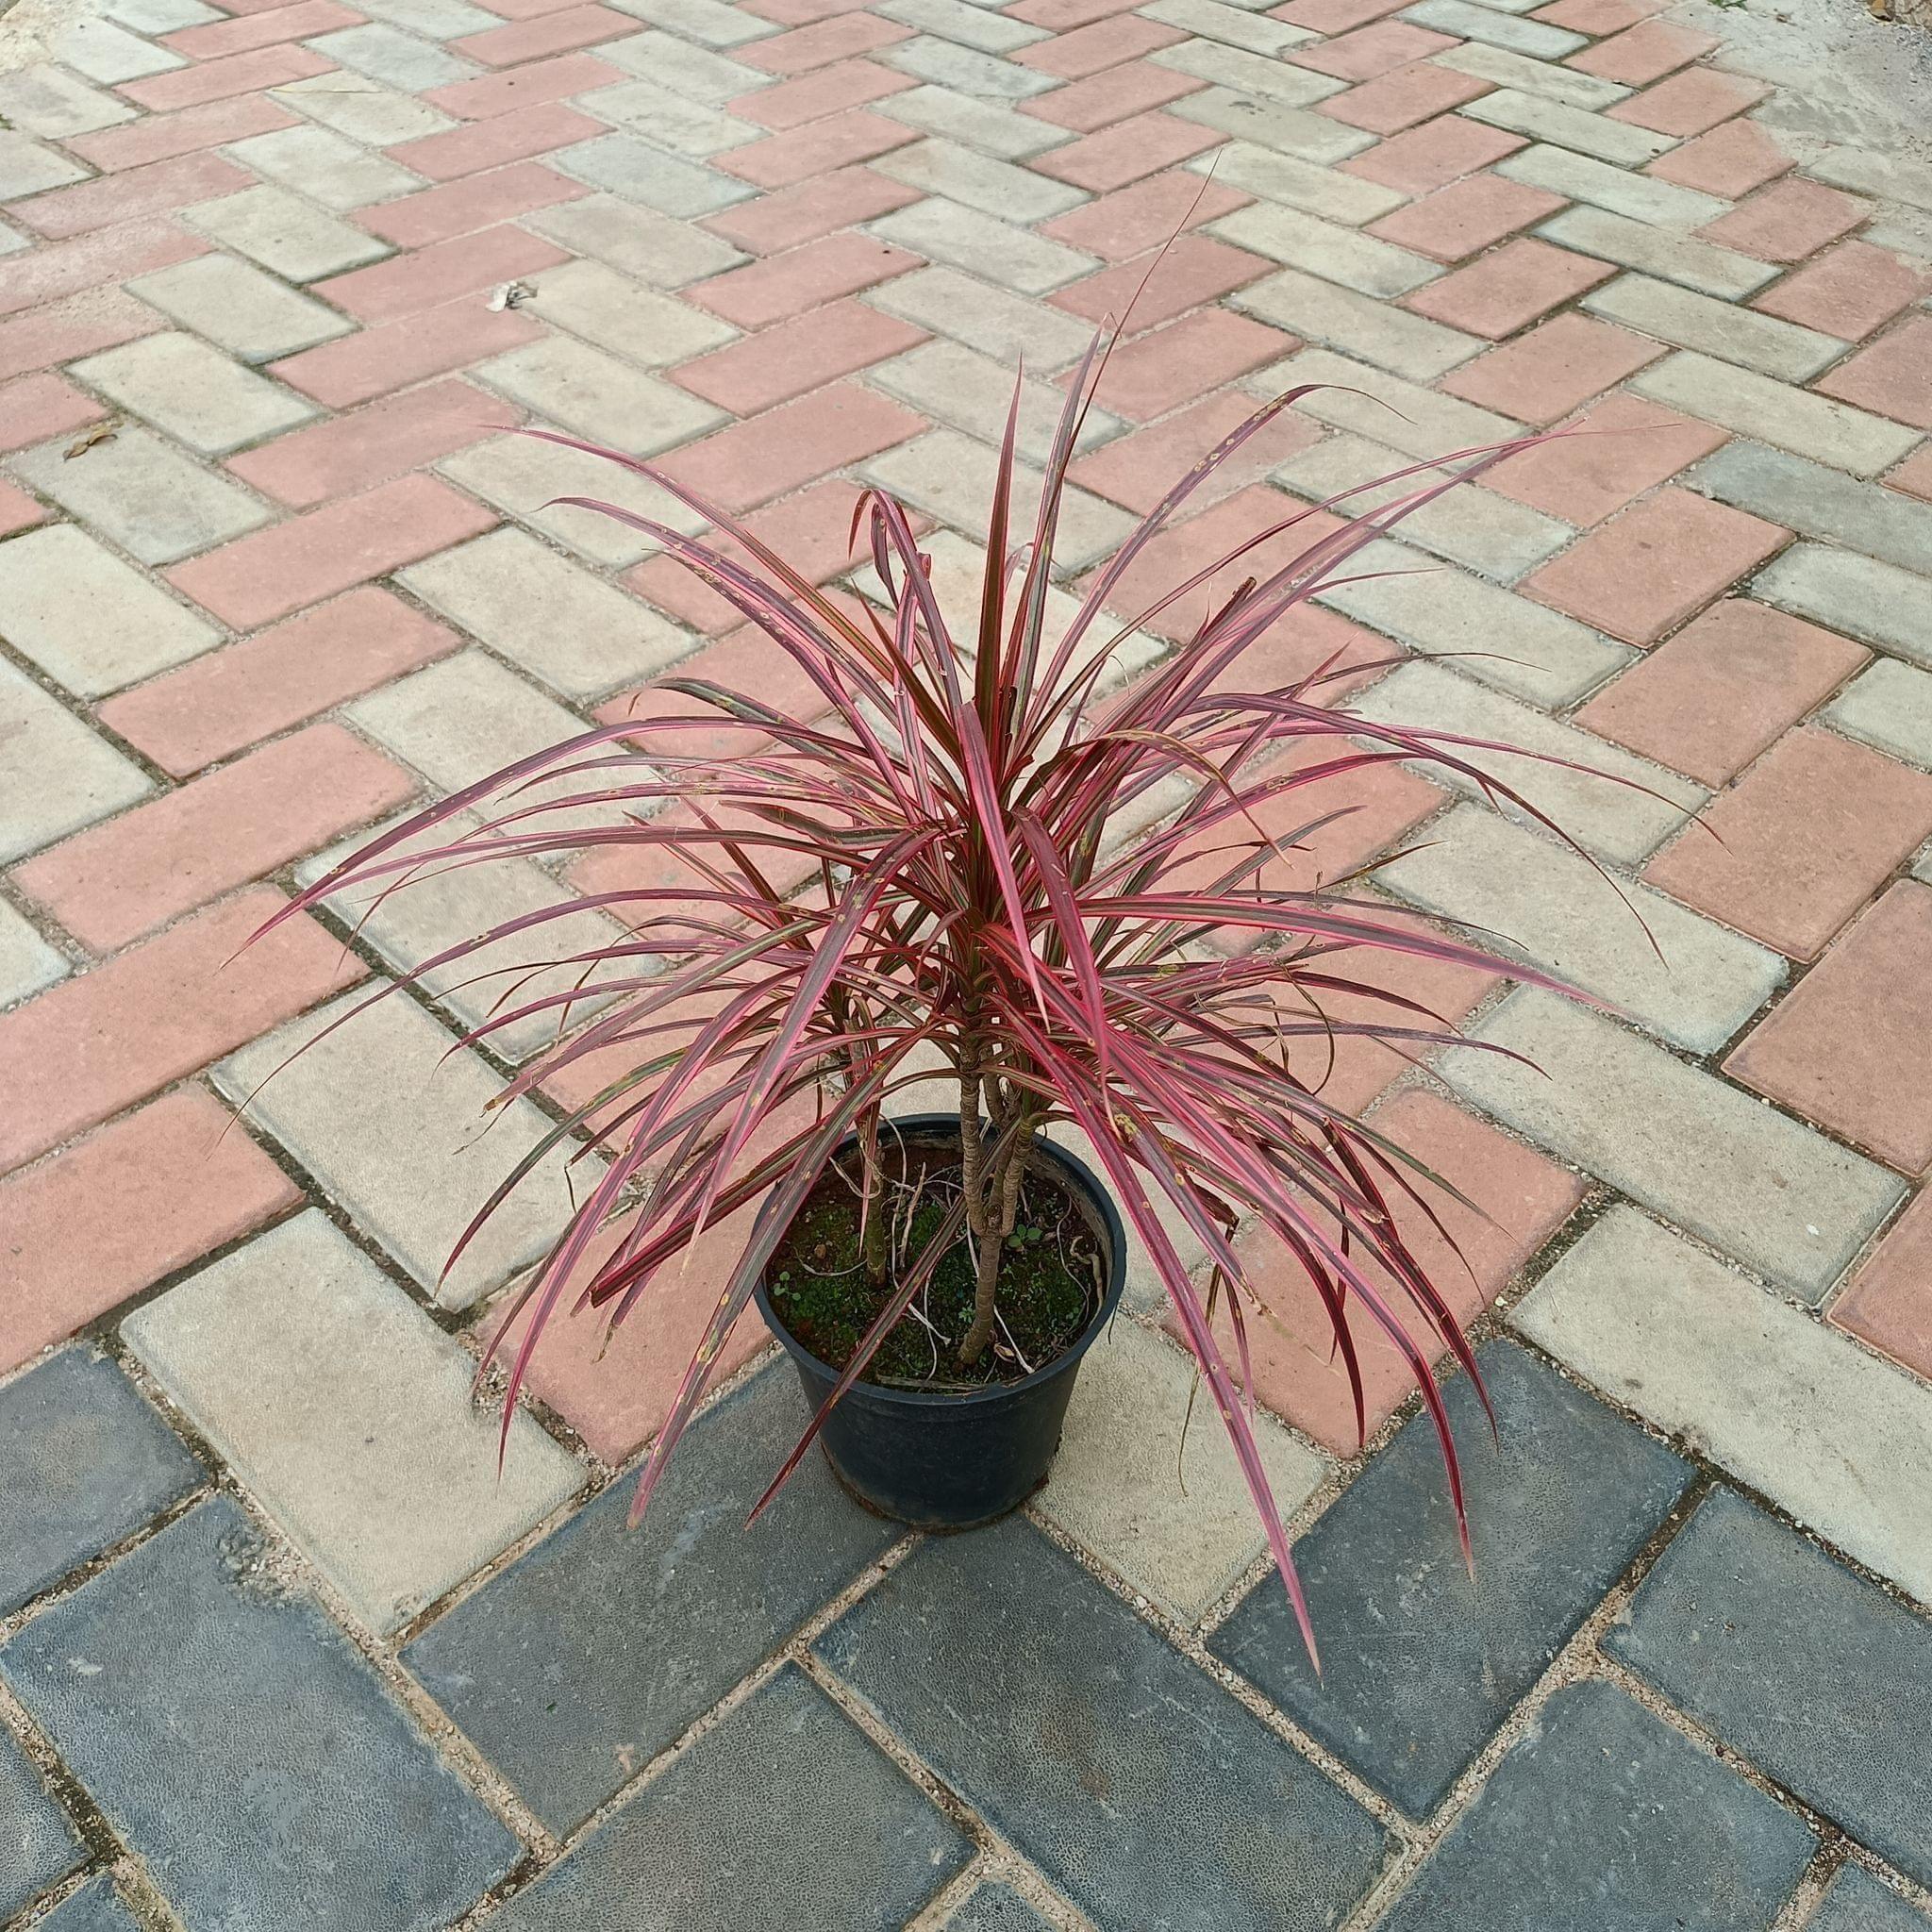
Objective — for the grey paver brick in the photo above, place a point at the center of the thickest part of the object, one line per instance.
(1814, 1674)
(1857, 1902)
(388, 1120)
(736, 1836)
(1421, 1664)
(88, 619)
(1876, 602)
(1530, 76)
(191, 391)
(1254, 33)
(1764, 1188)
(1869, 171)
(1408, 346)
(1639, 197)
(1686, 979)
(27, 167)
(668, 119)
(973, 122)
(1236, 71)
(1154, 1493)
(347, 1411)
(1268, 120)
(634, 170)
(1337, 254)
(1699, 265)
(697, 72)
(1533, 38)
(327, 167)
(1027, 1687)
(139, 490)
(234, 1738)
(993, 321)
(593, 1651)
(1015, 257)
(363, 108)
(952, 384)
(1890, 705)
(107, 53)
(1306, 185)
(1690, 321)
(710, 22)
(996, 1909)
(432, 20)
(397, 58)
(238, 308)
(1604, 1816)
(84, 1463)
(579, 634)
(95, 1907)
(27, 963)
(1383, 407)
(971, 25)
(42, 736)
(586, 390)
(46, 100)
(42, 1848)
(1790, 419)
(965, 70)
(663, 253)
(1562, 125)
(1841, 1439)
(1818, 500)
(284, 233)
(958, 174)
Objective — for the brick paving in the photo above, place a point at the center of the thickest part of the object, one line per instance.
(277, 1646)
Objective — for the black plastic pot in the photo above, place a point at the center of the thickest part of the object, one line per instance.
(944, 1461)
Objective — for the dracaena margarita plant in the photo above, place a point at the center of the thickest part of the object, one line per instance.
(948, 799)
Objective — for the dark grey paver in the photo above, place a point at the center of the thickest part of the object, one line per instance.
(1423, 1665)
(1147, 1794)
(95, 1907)
(37, 1848)
(242, 1749)
(1820, 502)
(1814, 1674)
(585, 1658)
(1604, 1819)
(1857, 1902)
(996, 1909)
(84, 1461)
(786, 1817)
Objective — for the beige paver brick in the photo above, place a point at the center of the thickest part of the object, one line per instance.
(58, 775)
(238, 308)
(195, 393)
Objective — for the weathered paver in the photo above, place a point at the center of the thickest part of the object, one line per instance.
(1861, 596)
(1025, 1685)
(97, 1906)
(1857, 1902)
(996, 1908)
(42, 1846)
(234, 1738)
(1785, 1654)
(1413, 1689)
(42, 736)
(1603, 1801)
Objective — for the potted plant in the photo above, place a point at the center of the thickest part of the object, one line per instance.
(920, 876)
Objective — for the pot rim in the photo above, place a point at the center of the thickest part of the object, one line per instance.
(1085, 1181)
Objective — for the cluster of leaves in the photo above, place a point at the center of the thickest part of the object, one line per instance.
(949, 803)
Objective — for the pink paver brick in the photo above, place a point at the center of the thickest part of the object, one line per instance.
(810, 350)
(1061, 15)
(1396, 100)
(1644, 573)
(1595, 17)
(1914, 476)
(1521, 1198)
(1632, 444)
(1724, 689)
(1130, 221)
(1809, 833)
(359, 368)
(161, 137)
(1370, 51)
(1728, 162)
(37, 407)
(1893, 377)
(1114, 95)
(1848, 291)
(1509, 287)
(106, 254)
(225, 700)
(116, 881)
(1195, 269)
(476, 200)
(265, 29)
(273, 571)
(1126, 152)
(827, 91)
(791, 217)
(428, 277)
(1789, 222)
(1888, 1302)
(1433, 155)
(490, 94)
(18, 511)
(1851, 1046)
(65, 331)
(1553, 370)
(1137, 470)
(1458, 219)
(797, 442)
(822, 43)
(1158, 371)
(802, 153)
(82, 1232)
(1644, 53)
(157, 189)
(94, 1045)
(1691, 102)
(518, 136)
(1332, 17)
(545, 36)
(1103, 43)
(221, 80)
(820, 272)
(369, 446)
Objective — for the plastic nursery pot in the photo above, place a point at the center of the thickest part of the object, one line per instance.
(954, 1462)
